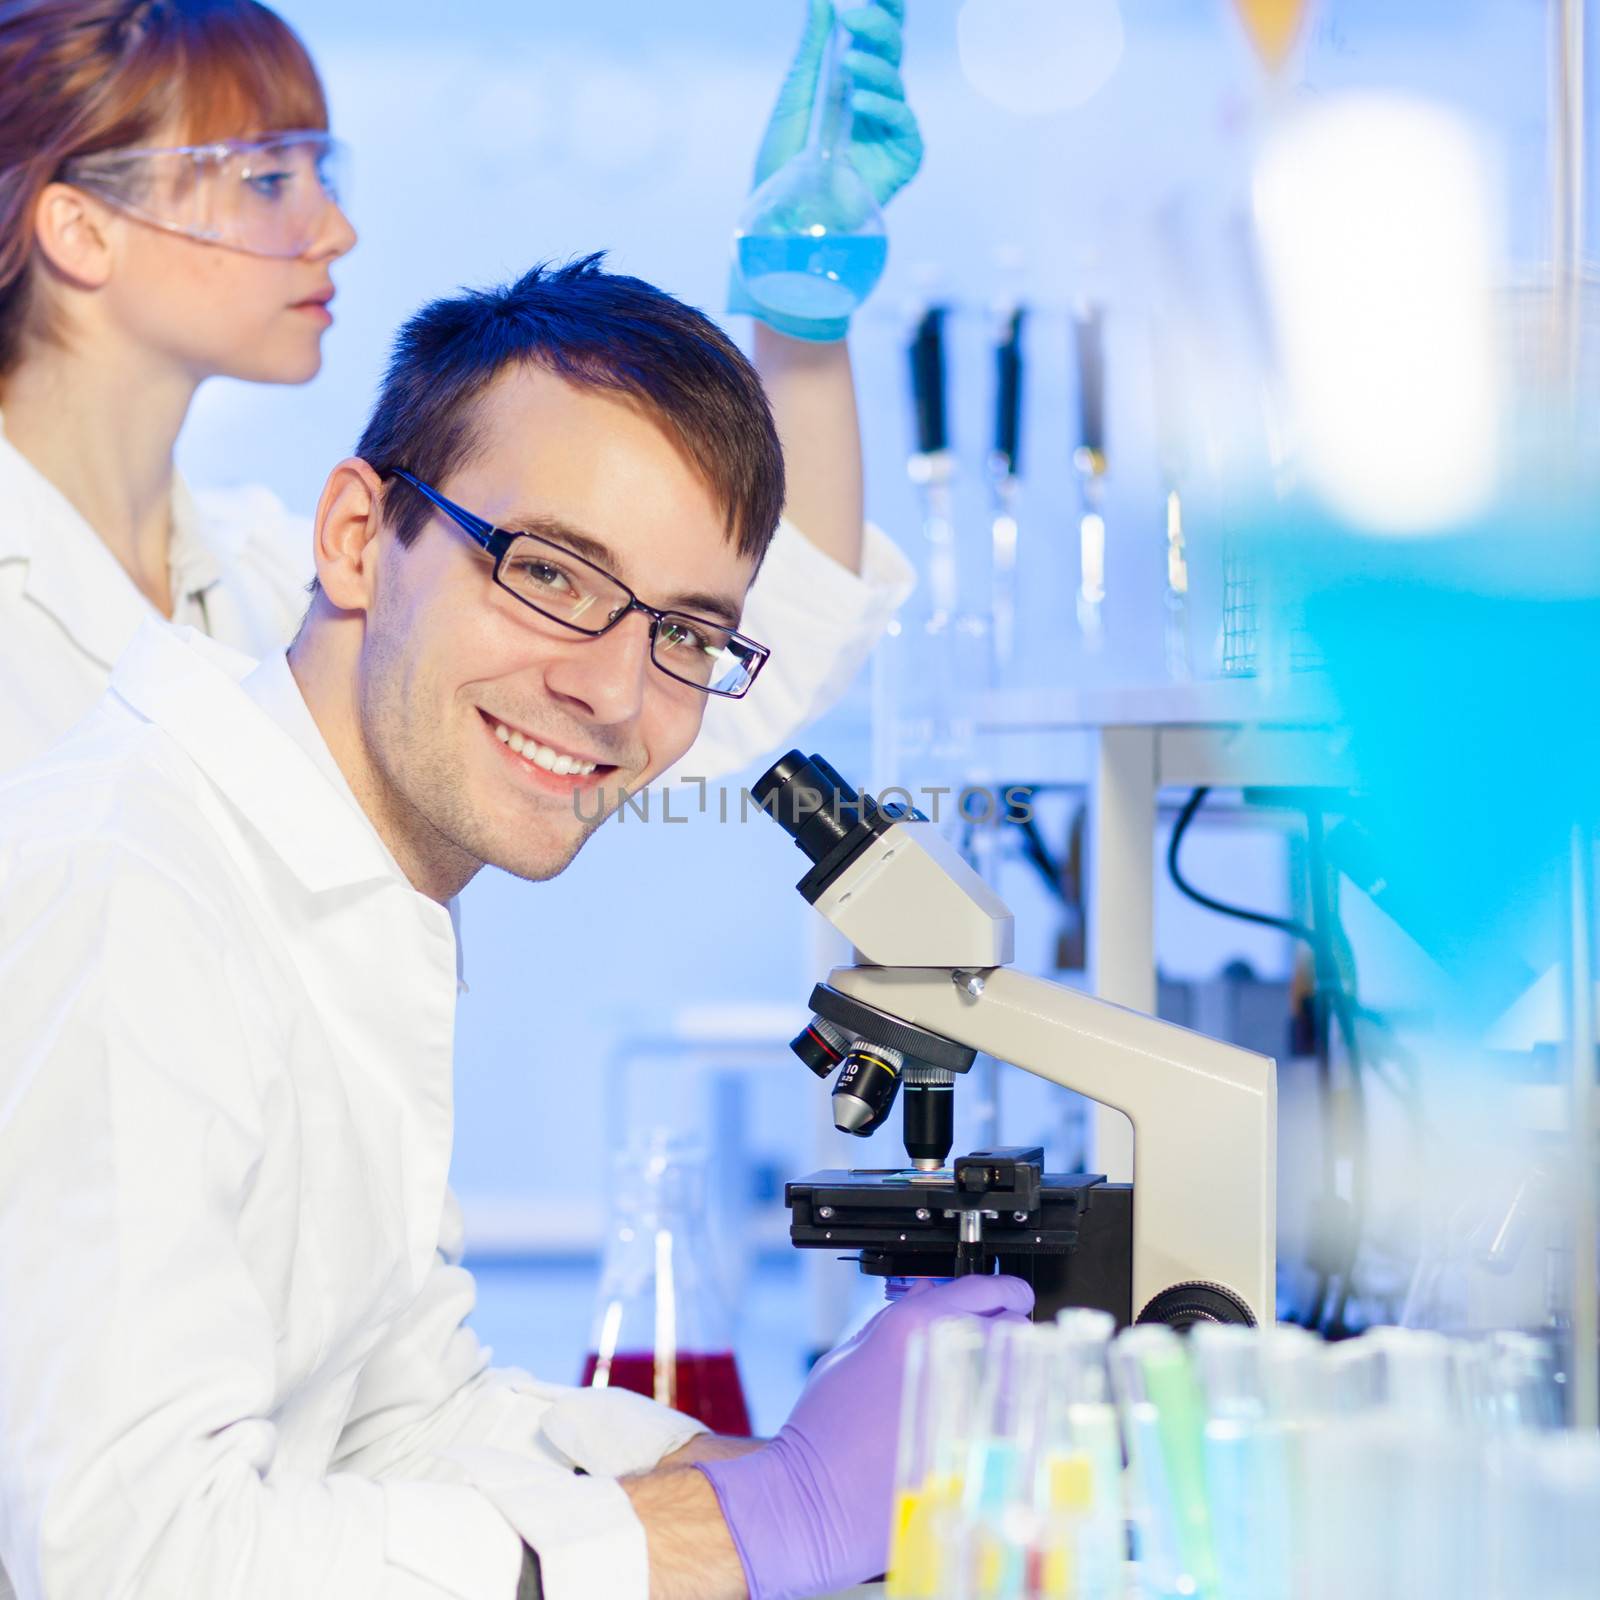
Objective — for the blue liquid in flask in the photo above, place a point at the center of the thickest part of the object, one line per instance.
(810, 241)
(810, 277)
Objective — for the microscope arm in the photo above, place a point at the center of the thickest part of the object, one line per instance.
(1204, 1113)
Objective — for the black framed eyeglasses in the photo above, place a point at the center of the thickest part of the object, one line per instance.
(549, 578)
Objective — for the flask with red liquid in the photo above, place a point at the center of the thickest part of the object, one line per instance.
(661, 1327)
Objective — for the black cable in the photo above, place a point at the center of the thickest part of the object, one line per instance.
(1032, 846)
(1191, 808)
(1037, 853)
(1358, 1163)
(1322, 1053)
(1335, 1003)
(1332, 1003)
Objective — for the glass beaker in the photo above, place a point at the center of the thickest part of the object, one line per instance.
(810, 241)
(661, 1327)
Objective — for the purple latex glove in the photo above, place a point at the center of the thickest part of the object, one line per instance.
(810, 1512)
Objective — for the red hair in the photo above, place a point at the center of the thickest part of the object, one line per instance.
(81, 76)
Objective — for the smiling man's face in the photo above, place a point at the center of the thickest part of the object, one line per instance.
(451, 665)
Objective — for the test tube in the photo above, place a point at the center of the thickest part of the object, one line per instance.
(1521, 1382)
(938, 1405)
(1164, 1418)
(1404, 1371)
(1078, 1472)
(1395, 1481)
(1263, 1390)
(1545, 1491)
(1083, 1383)
(1000, 1517)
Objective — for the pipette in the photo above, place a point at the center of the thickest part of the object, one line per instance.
(1168, 401)
(1089, 459)
(932, 465)
(952, 645)
(1005, 467)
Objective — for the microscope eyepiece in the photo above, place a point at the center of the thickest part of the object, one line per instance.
(809, 801)
(823, 815)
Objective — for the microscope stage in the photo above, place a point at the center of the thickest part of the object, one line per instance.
(907, 1210)
(1072, 1239)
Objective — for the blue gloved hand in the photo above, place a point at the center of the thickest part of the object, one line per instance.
(885, 144)
(811, 1511)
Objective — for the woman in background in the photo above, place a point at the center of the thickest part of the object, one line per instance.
(168, 213)
(166, 216)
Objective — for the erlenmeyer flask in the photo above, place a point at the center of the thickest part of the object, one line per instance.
(810, 241)
(661, 1327)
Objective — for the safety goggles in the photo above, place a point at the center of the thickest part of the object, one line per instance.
(559, 584)
(266, 197)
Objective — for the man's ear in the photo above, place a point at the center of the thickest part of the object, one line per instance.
(70, 228)
(345, 541)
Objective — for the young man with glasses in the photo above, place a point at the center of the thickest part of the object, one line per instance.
(233, 1360)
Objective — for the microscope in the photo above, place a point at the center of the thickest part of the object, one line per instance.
(1192, 1239)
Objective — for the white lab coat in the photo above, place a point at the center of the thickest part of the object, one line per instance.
(240, 566)
(231, 1353)
(232, 1360)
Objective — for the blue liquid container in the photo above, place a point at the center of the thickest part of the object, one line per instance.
(810, 242)
(816, 277)
(1250, 1477)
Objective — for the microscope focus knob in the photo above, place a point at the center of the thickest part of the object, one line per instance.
(1184, 1304)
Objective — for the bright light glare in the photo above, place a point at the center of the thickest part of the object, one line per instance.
(1037, 57)
(1378, 241)
(1092, 557)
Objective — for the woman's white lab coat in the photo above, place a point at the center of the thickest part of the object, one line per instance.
(240, 566)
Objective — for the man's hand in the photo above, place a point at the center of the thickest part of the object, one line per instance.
(885, 145)
(691, 1551)
(810, 1512)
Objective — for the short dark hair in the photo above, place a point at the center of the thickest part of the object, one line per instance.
(597, 330)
